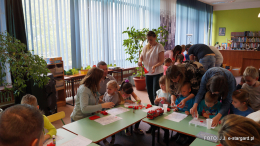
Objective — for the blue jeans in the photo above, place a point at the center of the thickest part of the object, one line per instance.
(208, 61)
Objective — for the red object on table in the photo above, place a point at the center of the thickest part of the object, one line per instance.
(50, 144)
(130, 106)
(94, 117)
(168, 109)
(104, 112)
(137, 107)
(219, 122)
(201, 121)
(219, 144)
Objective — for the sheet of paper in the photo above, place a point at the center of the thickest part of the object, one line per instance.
(200, 122)
(132, 104)
(151, 108)
(77, 141)
(116, 111)
(176, 117)
(57, 138)
(107, 119)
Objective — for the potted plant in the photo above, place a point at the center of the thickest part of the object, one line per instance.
(134, 45)
(23, 66)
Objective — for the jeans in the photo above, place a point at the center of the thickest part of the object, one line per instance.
(152, 85)
(208, 61)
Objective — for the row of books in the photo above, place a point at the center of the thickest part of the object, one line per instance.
(245, 45)
(245, 39)
(246, 33)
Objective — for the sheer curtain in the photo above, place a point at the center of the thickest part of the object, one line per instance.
(193, 17)
(102, 22)
(48, 31)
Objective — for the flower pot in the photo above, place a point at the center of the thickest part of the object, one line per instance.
(140, 83)
(83, 72)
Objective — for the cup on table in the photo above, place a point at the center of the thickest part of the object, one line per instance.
(165, 106)
(209, 123)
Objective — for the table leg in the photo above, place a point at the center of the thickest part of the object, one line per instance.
(131, 129)
(158, 135)
(153, 135)
(167, 138)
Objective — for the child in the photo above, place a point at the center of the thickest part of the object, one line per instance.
(179, 60)
(242, 81)
(112, 95)
(167, 63)
(162, 96)
(126, 91)
(252, 86)
(210, 106)
(185, 92)
(31, 100)
(240, 103)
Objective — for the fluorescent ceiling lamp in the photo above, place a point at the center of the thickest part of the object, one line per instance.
(259, 15)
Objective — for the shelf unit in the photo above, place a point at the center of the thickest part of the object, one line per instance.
(59, 76)
(245, 42)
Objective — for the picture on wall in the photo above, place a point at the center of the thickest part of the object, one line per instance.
(222, 31)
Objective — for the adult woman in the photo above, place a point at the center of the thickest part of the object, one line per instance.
(219, 81)
(153, 57)
(87, 96)
(238, 130)
(177, 75)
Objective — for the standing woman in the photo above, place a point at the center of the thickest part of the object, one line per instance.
(219, 81)
(153, 57)
(88, 97)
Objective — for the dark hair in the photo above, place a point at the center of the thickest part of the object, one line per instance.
(126, 87)
(173, 72)
(180, 57)
(218, 83)
(162, 79)
(187, 47)
(151, 33)
(92, 79)
(241, 95)
(20, 125)
(101, 63)
(211, 98)
(175, 50)
(168, 60)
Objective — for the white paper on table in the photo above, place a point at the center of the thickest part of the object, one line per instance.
(151, 108)
(116, 111)
(200, 122)
(132, 104)
(77, 141)
(176, 117)
(57, 138)
(107, 119)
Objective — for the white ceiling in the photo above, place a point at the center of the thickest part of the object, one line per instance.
(232, 4)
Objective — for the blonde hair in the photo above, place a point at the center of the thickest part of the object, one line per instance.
(29, 99)
(251, 71)
(235, 126)
(114, 85)
(162, 79)
(92, 79)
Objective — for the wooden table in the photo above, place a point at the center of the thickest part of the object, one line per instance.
(180, 127)
(97, 132)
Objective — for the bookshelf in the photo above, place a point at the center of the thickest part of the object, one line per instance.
(247, 40)
(57, 69)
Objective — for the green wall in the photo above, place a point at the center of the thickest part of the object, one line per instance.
(235, 21)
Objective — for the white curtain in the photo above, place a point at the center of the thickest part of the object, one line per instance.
(47, 25)
(7, 78)
(102, 23)
(168, 19)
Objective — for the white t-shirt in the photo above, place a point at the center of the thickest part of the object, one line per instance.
(151, 58)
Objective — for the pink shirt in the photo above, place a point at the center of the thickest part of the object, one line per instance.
(165, 69)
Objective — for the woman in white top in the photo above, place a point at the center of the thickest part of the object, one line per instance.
(153, 57)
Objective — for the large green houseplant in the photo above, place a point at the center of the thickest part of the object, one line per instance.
(135, 41)
(23, 65)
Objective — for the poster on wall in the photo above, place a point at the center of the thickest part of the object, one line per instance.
(222, 31)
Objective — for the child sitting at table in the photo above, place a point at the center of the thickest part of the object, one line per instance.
(240, 103)
(112, 95)
(127, 91)
(242, 81)
(31, 100)
(210, 106)
(185, 92)
(162, 96)
(167, 63)
(179, 60)
(252, 86)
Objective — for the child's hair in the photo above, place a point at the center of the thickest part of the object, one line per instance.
(92, 79)
(180, 57)
(162, 79)
(183, 47)
(251, 71)
(187, 84)
(126, 87)
(238, 126)
(29, 99)
(211, 98)
(167, 60)
(112, 83)
(243, 80)
(241, 95)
